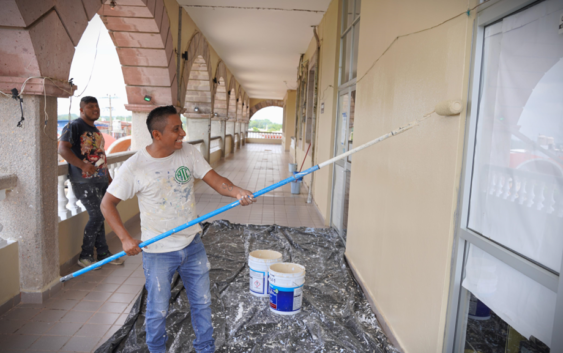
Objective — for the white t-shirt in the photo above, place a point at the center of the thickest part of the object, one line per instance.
(165, 189)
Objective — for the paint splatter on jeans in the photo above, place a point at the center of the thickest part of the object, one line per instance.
(192, 265)
(91, 194)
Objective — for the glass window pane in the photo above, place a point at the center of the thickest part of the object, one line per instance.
(348, 14)
(341, 124)
(358, 8)
(517, 183)
(487, 332)
(356, 45)
(346, 47)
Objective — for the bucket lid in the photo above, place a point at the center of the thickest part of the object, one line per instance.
(287, 269)
(266, 256)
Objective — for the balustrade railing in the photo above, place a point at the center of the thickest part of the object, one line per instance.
(68, 203)
(264, 135)
(544, 193)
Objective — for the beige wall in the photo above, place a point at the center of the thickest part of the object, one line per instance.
(9, 279)
(328, 69)
(215, 157)
(404, 190)
(71, 230)
(228, 146)
(288, 118)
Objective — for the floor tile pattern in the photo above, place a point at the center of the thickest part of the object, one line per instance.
(90, 308)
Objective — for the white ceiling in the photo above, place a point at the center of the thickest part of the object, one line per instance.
(259, 40)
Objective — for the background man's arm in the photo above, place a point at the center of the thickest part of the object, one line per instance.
(109, 210)
(65, 150)
(226, 188)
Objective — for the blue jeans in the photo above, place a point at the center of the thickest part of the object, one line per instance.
(193, 267)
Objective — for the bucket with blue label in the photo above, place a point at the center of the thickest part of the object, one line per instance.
(286, 288)
(259, 262)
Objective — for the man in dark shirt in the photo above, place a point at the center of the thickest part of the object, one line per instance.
(82, 146)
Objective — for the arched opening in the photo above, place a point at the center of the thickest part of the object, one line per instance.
(232, 110)
(268, 119)
(105, 82)
(220, 101)
(219, 108)
(198, 92)
(198, 103)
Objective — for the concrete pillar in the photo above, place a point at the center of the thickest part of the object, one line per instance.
(237, 131)
(140, 136)
(200, 129)
(230, 128)
(223, 137)
(218, 129)
(243, 129)
(29, 212)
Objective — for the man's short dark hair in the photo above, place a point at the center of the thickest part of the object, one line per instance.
(87, 99)
(156, 120)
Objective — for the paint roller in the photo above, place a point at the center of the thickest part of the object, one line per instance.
(445, 108)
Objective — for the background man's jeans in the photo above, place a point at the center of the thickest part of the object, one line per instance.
(193, 267)
(91, 195)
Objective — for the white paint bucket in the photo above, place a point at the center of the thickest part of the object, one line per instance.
(259, 262)
(286, 288)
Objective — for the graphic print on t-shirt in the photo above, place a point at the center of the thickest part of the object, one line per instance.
(182, 175)
(92, 147)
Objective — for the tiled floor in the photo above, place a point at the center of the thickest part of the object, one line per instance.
(90, 308)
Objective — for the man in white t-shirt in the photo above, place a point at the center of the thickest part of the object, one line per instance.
(162, 177)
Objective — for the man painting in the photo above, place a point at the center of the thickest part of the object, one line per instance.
(162, 176)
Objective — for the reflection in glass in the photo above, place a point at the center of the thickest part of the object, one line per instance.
(517, 183)
(488, 333)
(358, 8)
(355, 48)
(346, 47)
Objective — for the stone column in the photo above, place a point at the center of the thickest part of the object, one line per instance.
(237, 131)
(243, 130)
(200, 129)
(29, 212)
(230, 130)
(223, 137)
(140, 136)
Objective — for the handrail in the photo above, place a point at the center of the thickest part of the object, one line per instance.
(195, 142)
(110, 159)
(215, 138)
(229, 135)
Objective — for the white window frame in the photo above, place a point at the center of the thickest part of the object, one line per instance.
(458, 301)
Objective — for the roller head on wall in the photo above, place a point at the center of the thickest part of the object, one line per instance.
(449, 107)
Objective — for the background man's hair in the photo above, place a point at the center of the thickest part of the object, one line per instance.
(156, 120)
(87, 99)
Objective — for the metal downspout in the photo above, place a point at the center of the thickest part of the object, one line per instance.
(314, 122)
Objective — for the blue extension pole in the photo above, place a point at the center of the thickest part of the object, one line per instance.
(295, 177)
(190, 223)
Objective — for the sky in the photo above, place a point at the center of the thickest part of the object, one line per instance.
(107, 77)
(274, 114)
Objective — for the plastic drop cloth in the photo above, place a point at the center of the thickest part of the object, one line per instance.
(335, 316)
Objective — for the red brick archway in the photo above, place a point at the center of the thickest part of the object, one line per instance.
(140, 30)
(221, 98)
(264, 104)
